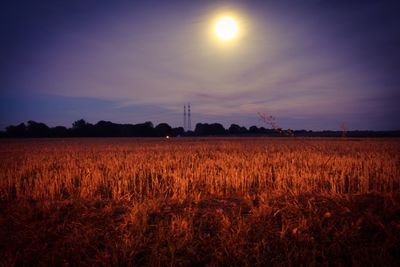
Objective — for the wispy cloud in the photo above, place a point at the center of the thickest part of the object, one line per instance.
(296, 60)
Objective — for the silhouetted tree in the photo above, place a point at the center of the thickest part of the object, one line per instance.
(127, 130)
(234, 129)
(253, 130)
(144, 129)
(178, 131)
(79, 124)
(37, 129)
(163, 129)
(82, 128)
(216, 129)
(16, 131)
(205, 129)
(59, 131)
(200, 129)
(107, 129)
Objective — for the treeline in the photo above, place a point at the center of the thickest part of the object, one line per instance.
(81, 128)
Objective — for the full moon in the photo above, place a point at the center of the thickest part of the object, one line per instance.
(226, 28)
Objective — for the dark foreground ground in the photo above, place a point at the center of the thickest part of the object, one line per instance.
(308, 230)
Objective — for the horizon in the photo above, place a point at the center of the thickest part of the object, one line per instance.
(226, 127)
(313, 65)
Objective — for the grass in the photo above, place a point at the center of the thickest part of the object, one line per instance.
(185, 202)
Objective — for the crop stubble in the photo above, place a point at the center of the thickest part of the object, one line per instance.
(213, 201)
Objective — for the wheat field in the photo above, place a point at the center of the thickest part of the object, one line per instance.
(202, 202)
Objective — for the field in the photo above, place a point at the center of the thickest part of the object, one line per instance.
(197, 202)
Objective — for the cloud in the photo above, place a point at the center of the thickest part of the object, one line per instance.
(296, 60)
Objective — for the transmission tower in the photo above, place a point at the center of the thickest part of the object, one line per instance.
(184, 117)
(189, 119)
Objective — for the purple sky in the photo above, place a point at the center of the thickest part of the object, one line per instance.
(311, 64)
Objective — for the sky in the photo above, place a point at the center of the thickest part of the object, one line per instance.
(312, 64)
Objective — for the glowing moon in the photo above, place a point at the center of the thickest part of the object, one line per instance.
(226, 28)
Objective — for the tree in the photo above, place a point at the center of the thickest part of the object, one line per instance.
(107, 128)
(163, 129)
(178, 131)
(82, 128)
(253, 130)
(59, 131)
(216, 129)
(144, 129)
(79, 124)
(204, 129)
(234, 129)
(16, 131)
(201, 129)
(38, 129)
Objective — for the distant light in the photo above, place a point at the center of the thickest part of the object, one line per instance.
(167, 136)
